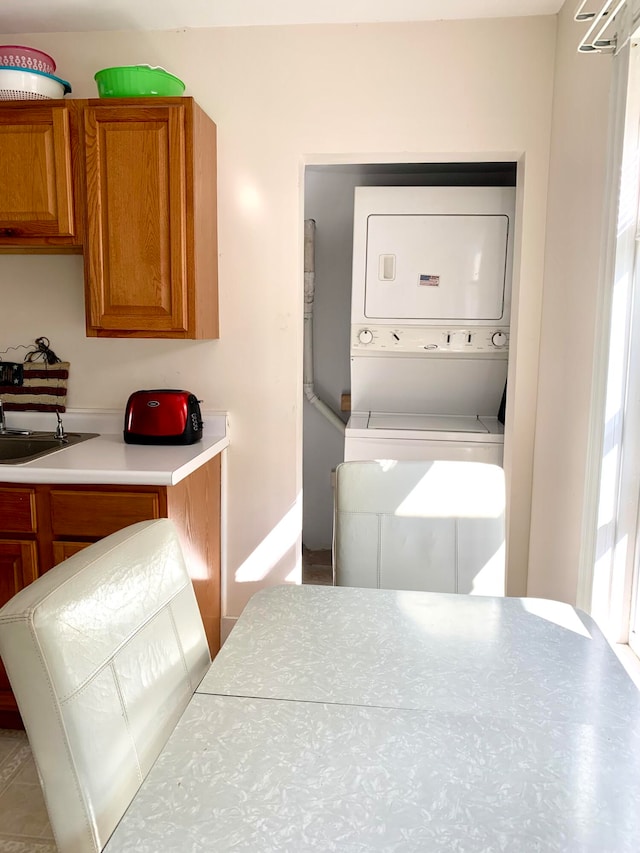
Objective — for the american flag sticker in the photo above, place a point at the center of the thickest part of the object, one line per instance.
(429, 281)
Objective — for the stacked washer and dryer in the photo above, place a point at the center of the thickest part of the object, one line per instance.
(431, 298)
(430, 307)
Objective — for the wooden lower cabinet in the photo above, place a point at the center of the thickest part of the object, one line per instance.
(18, 568)
(42, 525)
(64, 550)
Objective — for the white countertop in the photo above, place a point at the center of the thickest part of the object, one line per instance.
(107, 459)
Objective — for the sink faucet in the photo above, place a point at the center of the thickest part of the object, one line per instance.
(4, 430)
(60, 433)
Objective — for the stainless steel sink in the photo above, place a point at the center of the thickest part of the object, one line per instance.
(16, 449)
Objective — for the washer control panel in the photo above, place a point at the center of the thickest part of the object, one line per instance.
(432, 339)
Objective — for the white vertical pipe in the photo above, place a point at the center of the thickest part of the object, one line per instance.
(309, 295)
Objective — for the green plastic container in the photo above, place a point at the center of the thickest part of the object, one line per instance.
(137, 81)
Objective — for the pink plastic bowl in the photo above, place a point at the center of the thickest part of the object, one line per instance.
(17, 56)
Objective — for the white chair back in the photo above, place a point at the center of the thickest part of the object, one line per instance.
(103, 653)
(434, 526)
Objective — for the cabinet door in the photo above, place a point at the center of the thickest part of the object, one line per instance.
(36, 187)
(97, 513)
(18, 567)
(64, 550)
(17, 510)
(136, 259)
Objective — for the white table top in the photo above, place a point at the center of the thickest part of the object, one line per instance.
(260, 776)
(421, 650)
(443, 744)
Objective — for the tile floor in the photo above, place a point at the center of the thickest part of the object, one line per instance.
(316, 567)
(24, 826)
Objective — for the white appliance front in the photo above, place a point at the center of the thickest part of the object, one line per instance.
(433, 255)
(428, 385)
(431, 297)
(402, 436)
(444, 553)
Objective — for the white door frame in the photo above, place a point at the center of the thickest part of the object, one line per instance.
(608, 556)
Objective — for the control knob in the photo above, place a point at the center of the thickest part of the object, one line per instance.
(499, 339)
(365, 336)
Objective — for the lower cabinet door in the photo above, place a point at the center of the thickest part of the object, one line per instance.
(18, 568)
(64, 550)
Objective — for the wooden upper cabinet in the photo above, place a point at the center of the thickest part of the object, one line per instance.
(39, 195)
(151, 230)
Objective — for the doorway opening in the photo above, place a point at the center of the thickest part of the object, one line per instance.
(329, 202)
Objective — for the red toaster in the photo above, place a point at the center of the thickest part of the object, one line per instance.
(162, 416)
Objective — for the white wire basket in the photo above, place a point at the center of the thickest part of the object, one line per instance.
(19, 84)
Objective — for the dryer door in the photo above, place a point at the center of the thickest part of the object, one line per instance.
(437, 267)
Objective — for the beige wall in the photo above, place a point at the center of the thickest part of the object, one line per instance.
(572, 266)
(281, 97)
